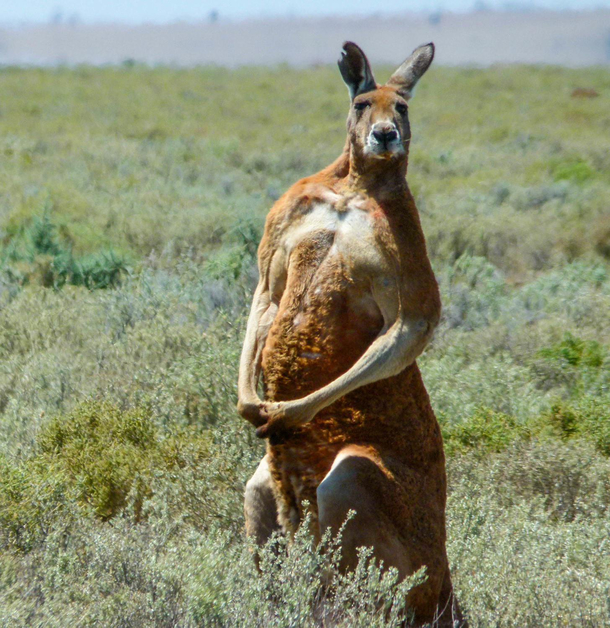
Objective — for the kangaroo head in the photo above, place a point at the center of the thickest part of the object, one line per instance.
(378, 121)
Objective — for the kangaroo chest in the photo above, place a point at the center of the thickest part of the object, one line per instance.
(347, 235)
(322, 280)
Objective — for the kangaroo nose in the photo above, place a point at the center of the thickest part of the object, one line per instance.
(385, 135)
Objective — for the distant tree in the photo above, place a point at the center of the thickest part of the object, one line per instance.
(213, 16)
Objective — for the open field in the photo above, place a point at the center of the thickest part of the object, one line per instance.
(131, 204)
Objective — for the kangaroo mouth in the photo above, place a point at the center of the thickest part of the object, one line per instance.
(384, 148)
(378, 151)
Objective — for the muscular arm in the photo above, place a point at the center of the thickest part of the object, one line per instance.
(248, 402)
(404, 336)
(262, 313)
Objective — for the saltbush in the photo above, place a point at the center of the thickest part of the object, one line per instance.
(575, 352)
(587, 418)
(37, 254)
(485, 431)
(95, 458)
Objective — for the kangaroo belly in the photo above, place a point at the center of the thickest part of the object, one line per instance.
(325, 322)
(392, 415)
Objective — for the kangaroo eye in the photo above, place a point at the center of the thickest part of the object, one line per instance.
(362, 105)
(401, 109)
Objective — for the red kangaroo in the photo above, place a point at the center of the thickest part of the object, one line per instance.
(346, 302)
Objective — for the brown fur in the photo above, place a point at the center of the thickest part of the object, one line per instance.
(323, 304)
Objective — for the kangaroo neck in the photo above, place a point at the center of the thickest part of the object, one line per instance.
(382, 179)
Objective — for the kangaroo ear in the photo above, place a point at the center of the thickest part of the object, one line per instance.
(413, 68)
(355, 70)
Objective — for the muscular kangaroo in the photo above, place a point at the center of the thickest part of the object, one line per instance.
(346, 302)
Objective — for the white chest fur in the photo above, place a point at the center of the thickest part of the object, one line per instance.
(351, 227)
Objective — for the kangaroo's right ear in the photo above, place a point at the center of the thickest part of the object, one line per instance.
(407, 75)
(355, 70)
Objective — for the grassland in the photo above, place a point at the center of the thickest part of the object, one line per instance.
(131, 203)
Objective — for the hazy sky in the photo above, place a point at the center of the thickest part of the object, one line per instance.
(134, 11)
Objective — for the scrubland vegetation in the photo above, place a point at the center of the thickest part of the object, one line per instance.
(131, 204)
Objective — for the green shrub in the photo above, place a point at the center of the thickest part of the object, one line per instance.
(575, 352)
(37, 254)
(107, 453)
(536, 510)
(596, 426)
(561, 421)
(94, 458)
(576, 170)
(579, 367)
(467, 375)
(485, 432)
(473, 292)
(587, 418)
(528, 526)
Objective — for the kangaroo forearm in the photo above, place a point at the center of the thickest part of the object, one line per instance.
(249, 365)
(388, 355)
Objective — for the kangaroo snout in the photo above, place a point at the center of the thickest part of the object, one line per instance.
(384, 140)
(384, 134)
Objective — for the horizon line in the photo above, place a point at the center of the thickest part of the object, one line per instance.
(74, 20)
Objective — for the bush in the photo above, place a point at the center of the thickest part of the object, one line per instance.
(485, 431)
(575, 352)
(473, 293)
(576, 170)
(37, 254)
(93, 459)
(587, 418)
(527, 535)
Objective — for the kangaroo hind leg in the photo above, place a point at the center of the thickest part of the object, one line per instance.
(260, 507)
(393, 516)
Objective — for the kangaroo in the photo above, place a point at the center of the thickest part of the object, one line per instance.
(346, 302)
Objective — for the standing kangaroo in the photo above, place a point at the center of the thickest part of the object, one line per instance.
(346, 302)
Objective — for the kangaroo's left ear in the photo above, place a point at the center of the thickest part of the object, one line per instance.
(413, 68)
(356, 70)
